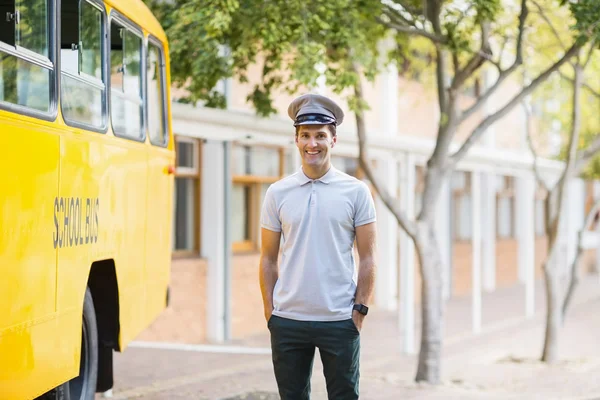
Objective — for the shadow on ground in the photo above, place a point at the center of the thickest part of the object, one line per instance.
(255, 396)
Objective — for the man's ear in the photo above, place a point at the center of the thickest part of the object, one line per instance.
(333, 141)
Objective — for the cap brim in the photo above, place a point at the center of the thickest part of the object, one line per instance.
(314, 119)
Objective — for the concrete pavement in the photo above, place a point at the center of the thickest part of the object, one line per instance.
(499, 363)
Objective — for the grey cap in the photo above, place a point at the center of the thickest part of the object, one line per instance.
(314, 109)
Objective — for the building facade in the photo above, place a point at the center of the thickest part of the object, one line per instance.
(490, 215)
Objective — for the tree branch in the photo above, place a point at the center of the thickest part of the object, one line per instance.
(399, 23)
(501, 54)
(503, 73)
(433, 13)
(411, 10)
(586, 155)
(522, 19)
(488, 93)
(464, 14)
(478, 59)
(590, 89)
(392, 205)
(552, 27)
(455, 63)
(536, 171)
(575, 123)
(397, 17)
(487, 122)
(440, 74)
(590, 53)
(573, 137)
(413, 31)
(574, 278)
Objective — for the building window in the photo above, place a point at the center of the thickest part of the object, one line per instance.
(505, 207)
(349, 165)
(461, 192)
(290, 167)
(254, 169)
(186, 201)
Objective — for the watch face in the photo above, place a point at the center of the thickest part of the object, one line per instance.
(361, 308)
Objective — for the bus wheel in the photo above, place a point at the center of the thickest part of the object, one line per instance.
(82, 387)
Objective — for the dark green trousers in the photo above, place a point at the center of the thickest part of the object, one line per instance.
(293, 346)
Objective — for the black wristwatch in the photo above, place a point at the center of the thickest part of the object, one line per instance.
(361, 308)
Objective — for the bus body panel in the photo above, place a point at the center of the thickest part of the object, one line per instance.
(70, 197)
(36, 351)
(39, 356)
(108, 176)
(138, 12)
(158, 239)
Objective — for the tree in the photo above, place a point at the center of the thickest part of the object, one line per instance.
(295, 36)
(560, 273)
(452, 30)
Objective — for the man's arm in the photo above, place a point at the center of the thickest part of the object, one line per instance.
(366, 246)
(268, 269)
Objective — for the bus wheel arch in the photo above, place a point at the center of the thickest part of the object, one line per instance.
(104, 288)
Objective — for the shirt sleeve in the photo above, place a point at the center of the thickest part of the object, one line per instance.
(269, 216)
(364, 208)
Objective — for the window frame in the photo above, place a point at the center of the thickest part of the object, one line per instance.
(197, 176)
(89, 80)
(126, 23)
(152, 40)
(458, 195)
(254, 182)
(508, 191)
(252, 215)
(49, 63)
(188, 171)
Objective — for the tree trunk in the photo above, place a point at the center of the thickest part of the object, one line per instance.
(431, 303)
(553, 309)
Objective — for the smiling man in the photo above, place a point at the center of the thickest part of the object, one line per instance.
(317, 298)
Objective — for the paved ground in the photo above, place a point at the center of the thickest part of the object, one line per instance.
(499, 363)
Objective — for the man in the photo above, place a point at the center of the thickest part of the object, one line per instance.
(317, 299)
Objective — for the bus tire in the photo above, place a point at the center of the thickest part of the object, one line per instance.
(83, 386)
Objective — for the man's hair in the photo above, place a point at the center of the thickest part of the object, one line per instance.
(332, 129)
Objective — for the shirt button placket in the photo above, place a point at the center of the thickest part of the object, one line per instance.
(312, 194)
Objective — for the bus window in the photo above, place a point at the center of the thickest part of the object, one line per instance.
(7, 26)
(156, 95)
(126, 82)
(25, 67)
(32, 28)
(82, 86)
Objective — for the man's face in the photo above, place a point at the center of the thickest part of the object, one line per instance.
(314, 143)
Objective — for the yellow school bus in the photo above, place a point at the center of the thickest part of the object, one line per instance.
(85, 190)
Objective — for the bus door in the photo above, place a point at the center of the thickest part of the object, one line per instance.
(160, 181)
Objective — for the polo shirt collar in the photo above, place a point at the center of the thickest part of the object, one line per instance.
(326, 179)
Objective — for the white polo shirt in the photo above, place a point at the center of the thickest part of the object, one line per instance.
(317, 219)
